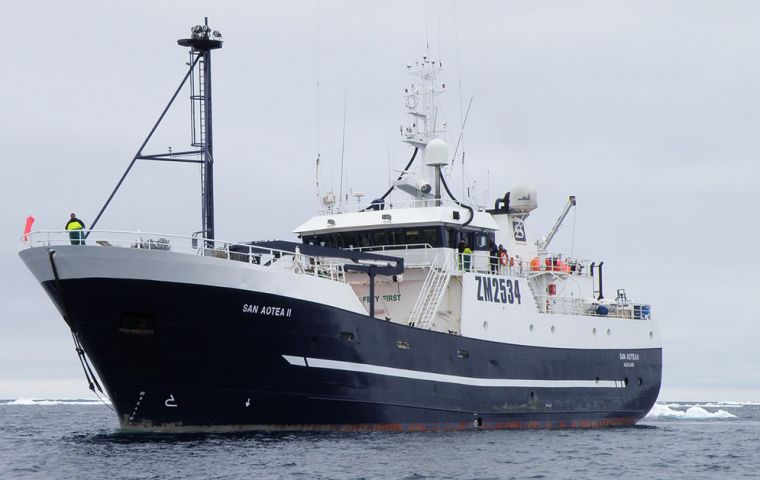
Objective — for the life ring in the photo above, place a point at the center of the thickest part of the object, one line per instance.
(503, 258)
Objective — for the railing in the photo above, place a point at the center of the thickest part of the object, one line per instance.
(577, 306)
(414, 254)
(481, 262)
(558, 264)
(323, 267)
(365, 204)
(432, 292)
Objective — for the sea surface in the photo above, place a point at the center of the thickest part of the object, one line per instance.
(70, 439)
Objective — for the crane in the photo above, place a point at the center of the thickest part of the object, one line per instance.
(547, 240)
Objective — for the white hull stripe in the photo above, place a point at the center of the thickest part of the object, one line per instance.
(441, 377)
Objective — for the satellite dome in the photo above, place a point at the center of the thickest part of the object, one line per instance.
(436, 153)
(523, 199)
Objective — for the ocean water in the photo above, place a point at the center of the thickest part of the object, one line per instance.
(80, 440)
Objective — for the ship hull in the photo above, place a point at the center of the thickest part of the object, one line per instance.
(177, 356)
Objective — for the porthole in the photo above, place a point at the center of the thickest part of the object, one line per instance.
(463, 353)
(594, 331)
(485, 324)
(609, 332)
(348, 336)
(553, 329)
(651, 334)
(403, 345)
(641, 381)
(625, 381)
(597, 379)
(531, 328)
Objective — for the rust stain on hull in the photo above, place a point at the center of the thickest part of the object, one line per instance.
(387, 427)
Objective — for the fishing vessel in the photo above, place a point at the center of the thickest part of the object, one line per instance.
(387, 315)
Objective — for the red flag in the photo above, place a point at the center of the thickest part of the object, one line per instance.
(28, 227)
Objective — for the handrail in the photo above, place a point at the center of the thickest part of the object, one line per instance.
(322, 267)
(339, 209)
(557, 304)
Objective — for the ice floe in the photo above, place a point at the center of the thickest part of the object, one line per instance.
(31, 401)
(694, 412)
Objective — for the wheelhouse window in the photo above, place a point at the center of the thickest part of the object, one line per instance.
(411, 237)
(477, 240)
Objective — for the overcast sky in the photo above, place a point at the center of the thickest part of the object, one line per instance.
(647, 111)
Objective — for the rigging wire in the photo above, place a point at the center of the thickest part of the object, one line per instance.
(92, 381)
(89, 374)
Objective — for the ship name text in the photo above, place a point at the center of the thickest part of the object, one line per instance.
(267, 310)
(627, 359)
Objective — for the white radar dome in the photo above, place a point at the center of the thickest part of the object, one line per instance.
(436, 153)
(523, 199)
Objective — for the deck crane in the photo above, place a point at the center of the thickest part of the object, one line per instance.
(547, 240)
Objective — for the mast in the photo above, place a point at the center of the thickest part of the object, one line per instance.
(423, 133)
(201, 43)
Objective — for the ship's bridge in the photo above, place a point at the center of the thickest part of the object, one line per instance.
(438, 226)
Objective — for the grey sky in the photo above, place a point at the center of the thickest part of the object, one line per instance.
(646, 111)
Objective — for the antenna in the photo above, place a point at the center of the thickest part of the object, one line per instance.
(201, 42)
(462, 121)
(318, 109)
(343, 146)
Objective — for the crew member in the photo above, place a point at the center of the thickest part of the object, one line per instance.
(503, 258)
(460, 254)
(493, 256)
(467, 255)
(75, 228)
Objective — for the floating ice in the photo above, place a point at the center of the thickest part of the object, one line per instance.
(31, 401)
(692, 413)
(726, 404)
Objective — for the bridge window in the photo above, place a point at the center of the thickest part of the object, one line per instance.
(414, 237)
(372, 239)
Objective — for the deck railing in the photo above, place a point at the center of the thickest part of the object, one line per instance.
(365, 204)
(323, 267)
(575, 306)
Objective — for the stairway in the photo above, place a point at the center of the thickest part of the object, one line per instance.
(433, 288)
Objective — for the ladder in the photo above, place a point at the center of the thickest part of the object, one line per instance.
(198, 104)
(199, 121)
(433, 288)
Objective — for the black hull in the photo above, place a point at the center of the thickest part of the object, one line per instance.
(188, 357)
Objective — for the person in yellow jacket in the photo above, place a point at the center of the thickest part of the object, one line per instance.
(75, 228)
(467, 256)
